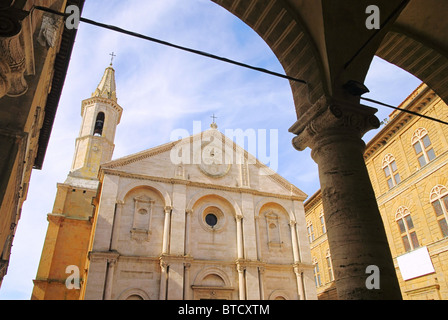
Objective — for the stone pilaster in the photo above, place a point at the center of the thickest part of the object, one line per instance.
(166, 230)
(241, 281)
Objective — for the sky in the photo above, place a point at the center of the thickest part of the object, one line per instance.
(162, 89)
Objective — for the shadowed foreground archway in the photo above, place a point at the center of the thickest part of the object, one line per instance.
(327, 44)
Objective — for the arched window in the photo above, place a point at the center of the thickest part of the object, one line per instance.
(423, 147)
(439, 200)
(391, 171)
(317, 278)
(99, 124)
(407, 230)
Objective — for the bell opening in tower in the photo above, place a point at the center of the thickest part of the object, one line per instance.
(99, 124)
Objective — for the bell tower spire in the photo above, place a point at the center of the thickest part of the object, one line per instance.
(101, 114)
(107, 87)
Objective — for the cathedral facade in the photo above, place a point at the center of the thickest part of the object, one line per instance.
(198, 218)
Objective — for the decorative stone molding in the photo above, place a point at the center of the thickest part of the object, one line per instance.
(12, 67)
(48, 34)
(10, 19)
(339, 120)
(141, 227)
(96, 256)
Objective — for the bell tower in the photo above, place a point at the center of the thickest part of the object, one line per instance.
(100, 116)
(70, 222)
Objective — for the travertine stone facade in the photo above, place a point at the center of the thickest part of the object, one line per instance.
(197, 231)
(199, 218)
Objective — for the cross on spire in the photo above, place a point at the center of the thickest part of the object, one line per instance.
(214, 125)
(112, 57)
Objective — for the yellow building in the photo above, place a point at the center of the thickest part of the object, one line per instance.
(407, 164)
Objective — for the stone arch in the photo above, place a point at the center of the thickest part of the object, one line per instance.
(279, 295)
(266, 201)
(418, 58)
(214, 272)
(158, 188)
(133, 292)
(285, 33)
(203, 193)
(212, 283)
(427, 190)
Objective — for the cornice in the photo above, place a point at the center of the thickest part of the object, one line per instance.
(418, 101)
(168, 146)
(202, 185)
(313, 201)
(93, 100)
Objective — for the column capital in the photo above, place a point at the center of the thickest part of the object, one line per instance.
(297, 269)
(240, 267)
(331, 120)
(163, 264)
(167, 209)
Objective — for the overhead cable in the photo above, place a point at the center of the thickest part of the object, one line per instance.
(212, 56)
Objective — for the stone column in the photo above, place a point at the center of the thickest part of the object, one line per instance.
(187, 281)
(116, 228)
(163, 280)
(239, 236)
(257, 237)
(110, 278)
(299, 278)
(166, 230)
(295, 243)
(354, 226)
(188, 214)
(261, 281)
(241, 281)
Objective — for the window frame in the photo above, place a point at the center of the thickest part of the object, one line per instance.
(387, 164)
(317, 275)
(400, 216)
(419, 139)
(439, 194)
